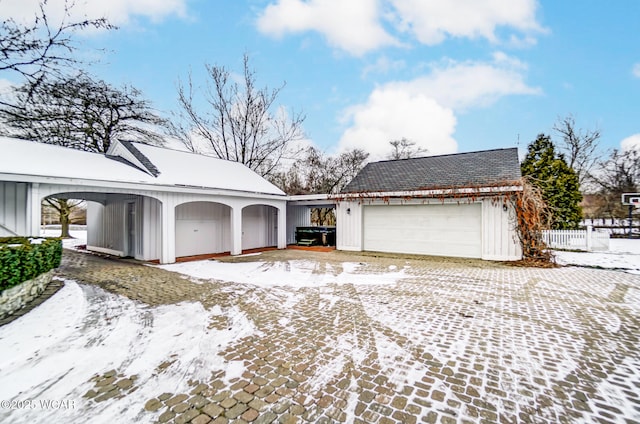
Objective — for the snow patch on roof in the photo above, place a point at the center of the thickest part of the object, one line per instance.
(176, 168)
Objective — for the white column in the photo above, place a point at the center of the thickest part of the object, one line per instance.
(34, 210)
(236, 230)
(282, 227)
(589, 235)
(168, 232)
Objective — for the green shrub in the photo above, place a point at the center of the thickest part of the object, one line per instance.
(24, 258)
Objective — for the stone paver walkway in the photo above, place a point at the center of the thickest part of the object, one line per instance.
(454, 341)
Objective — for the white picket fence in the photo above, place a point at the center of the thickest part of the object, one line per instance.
(577, 239)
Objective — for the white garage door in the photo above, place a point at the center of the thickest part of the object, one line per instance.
(441, 230)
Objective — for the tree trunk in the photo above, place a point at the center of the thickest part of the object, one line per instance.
(65, 211)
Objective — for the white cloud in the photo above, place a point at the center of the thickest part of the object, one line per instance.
(431, 21)
(118, 12)
(631, 143)
(470, 84)
(390, 114)
(636, 70)
(351, 25)
(358, 26)
(423, 110)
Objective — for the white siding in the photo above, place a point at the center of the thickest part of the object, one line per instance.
(151, 236)
(13, 209)
(442, 230)
(259, 226)
(107, 227)
(349, 226)
(500, 240)
(297, 216)
(202, 228)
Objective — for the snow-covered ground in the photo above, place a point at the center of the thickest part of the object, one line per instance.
(79, 237)
(52, 352)
(294, 273)
(365, 315)
(623, 254)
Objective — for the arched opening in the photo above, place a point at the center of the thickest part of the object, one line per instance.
(202, 228)
(121, 224)
(259, 227)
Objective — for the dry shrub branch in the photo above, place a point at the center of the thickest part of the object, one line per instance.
(532, 217)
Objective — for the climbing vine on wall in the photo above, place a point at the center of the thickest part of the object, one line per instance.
(532, 217)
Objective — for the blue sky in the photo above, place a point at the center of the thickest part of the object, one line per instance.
(452, 76)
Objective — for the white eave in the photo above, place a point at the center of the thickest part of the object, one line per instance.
(435, 193)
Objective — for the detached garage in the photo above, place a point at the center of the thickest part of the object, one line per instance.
(450, 205)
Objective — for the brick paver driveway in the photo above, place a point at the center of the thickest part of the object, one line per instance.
(450, 341)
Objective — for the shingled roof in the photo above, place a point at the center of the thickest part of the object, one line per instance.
(473, 169)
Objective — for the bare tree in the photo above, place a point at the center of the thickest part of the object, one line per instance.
(620, 173)
(317, 173)
(64, 208)
(82, 113)
(579, 147)
(240, 123)
(405, 149)
(40, 48)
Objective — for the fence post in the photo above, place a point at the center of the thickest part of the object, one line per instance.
(589, 243)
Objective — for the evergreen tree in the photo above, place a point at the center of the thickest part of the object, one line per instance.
(558, 183)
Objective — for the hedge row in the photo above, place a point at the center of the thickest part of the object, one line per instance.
(24, 258)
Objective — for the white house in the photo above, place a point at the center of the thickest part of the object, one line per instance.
(450, 205)
(143, 201)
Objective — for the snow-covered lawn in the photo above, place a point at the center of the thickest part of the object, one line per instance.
(79, 237)
(623, 254)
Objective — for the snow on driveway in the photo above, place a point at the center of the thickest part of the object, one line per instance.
(51, 353)
(396, 337)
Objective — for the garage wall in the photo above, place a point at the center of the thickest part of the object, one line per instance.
(202, 228)
(106, 227)
(13, 208)
(259, 226)
(151, 229)
(297, 216)
(500, 240)
(349, 226)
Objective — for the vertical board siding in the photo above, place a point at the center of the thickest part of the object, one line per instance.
(13, 208)
(297, 216)
(151, 229)
(349, 226)
(259, 226)
(106, 226)
(499, 237)
(95, 227)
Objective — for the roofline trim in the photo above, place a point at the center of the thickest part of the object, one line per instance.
(444, 192)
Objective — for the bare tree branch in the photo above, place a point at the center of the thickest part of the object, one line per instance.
(38, 49)
(239, 123)
(580, 147)
(81, 113)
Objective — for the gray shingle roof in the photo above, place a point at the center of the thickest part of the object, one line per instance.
(473, 169)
